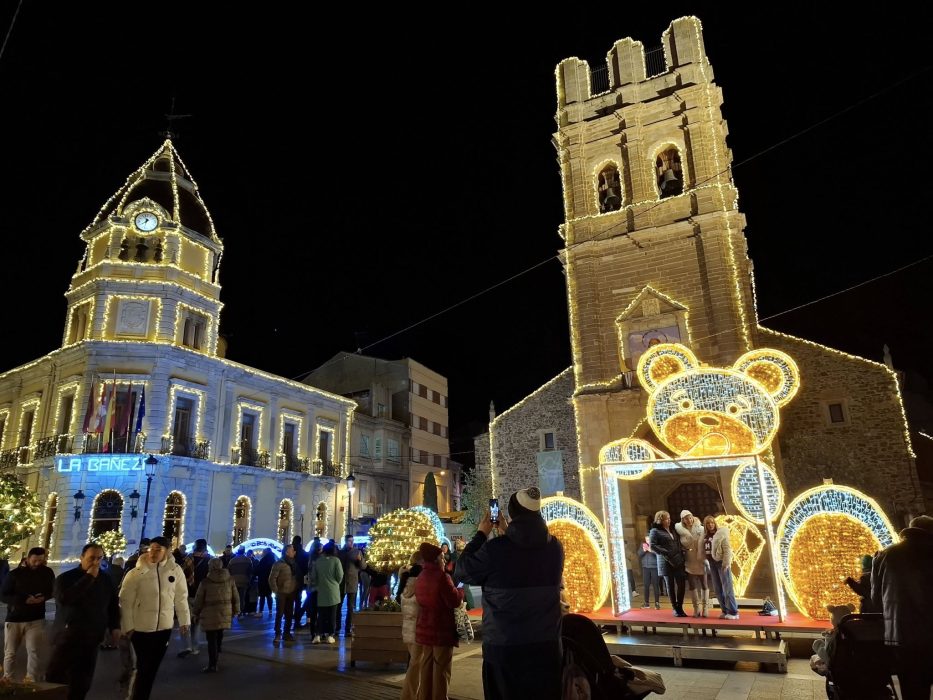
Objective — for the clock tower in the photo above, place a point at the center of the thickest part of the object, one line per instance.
(150, 269)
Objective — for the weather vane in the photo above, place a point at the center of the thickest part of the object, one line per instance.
(171, 117)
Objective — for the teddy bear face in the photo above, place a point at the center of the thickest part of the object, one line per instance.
(707, 411)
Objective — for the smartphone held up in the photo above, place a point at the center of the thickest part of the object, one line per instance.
(494, 510)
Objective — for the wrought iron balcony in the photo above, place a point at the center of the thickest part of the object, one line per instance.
(126, 444)
(186, 447)
(9, 459)
(290, 463)
(320, 467)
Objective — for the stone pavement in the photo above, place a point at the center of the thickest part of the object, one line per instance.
(252, 668)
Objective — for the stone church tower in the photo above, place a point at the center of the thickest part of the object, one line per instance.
(654, 251)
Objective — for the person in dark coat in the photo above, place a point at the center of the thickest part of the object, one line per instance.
(25, 591)
(520, 572)
(302, 565)
(86, 606)
(436, 631)
(862, 587)
(902, 588)
(649, 574)
(263, 569)
(664, 542)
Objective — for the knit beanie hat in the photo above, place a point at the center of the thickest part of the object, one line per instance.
(525, 502)
(430, 552)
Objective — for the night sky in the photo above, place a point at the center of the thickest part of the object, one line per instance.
(370, 170)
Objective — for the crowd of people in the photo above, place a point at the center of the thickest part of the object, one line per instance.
(688, 555)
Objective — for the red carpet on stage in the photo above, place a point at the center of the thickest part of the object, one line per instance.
(639, 617)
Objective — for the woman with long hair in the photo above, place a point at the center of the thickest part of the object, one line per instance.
(665, 543)
(718, 552)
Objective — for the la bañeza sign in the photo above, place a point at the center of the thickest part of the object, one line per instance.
(100, 463)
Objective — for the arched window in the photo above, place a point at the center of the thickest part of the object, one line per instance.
(320, 520)
(107, 513)
(670, 173)
(51, 511)
(609, 187)
(285, 521)
(173, 523)
(241, 519)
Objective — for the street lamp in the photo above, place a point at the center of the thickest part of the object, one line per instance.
(302, 522)
(79, 501)
(151, 463)
(134, 504)
(351, 487)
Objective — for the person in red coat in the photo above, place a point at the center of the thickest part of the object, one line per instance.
(437, 630)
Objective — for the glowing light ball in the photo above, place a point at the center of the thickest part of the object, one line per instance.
(396, 536)
(586, 555)
(747, 546)
(746, 493)
(820, 540)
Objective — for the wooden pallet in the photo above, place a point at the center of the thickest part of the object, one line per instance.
(377, 638)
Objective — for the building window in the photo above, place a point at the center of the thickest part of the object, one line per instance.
(380, 410)
(26, 432)
(423, 423)
(610, 189)
(377, 451)
(364, 445)
(836, 412)
(364, 491)
(173, 522)
(422, 391)
(670, 173)
(288, 445)
(424, 457)
(79, 322)
(438, 461)
(392, 450)
(2, 430)
(323, 449)
(107, 512)
(181, 426)
(547, 440)
(247, 437)
(51, 512)
(65, 412)
(285, 521)
(241, 518)
(193, 333)
(437, 429)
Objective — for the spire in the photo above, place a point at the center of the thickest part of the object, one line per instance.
(165, 180)
(492, 411)
(887, 357)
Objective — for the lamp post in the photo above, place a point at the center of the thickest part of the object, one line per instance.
(351, 487)
(79, 501)
(151, 463)
(134, 504)
(302, 522)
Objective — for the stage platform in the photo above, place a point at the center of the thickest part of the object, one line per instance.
(699, 636)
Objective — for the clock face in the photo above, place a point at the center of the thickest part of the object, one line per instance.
(146, 221)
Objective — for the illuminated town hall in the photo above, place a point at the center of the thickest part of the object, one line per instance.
(237, 453)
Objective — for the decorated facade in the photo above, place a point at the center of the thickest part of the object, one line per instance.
(655, 256)
(140, 388)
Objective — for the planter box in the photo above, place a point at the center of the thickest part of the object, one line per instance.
(377, 638)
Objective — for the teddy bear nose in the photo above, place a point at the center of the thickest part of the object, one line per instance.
(709, 420)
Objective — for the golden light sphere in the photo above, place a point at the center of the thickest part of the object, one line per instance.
(396, 536)
(823, 551)
(582, 565)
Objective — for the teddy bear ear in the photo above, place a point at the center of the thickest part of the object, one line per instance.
(664, 360)
(774, 370)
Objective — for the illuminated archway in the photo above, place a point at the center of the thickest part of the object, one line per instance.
(242, 519)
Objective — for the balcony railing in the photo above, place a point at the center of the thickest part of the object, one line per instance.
(186, 447)
(9, 459)
(320, 467)
(94, 443)
(292, 463)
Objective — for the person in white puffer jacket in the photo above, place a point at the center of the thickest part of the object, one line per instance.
(690, 532)
(152, 595)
